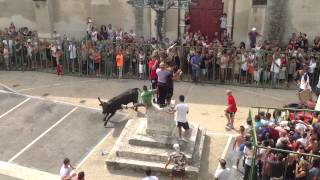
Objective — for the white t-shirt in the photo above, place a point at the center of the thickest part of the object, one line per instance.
(303, 141)
(249, 155)
(182, 111)
(65, 171)
(222, 174)
(223, 23)
(312, 66)
(305, 84)
(94, 35)
(244, 65)
(73, 51)
(150, 178)
(276, 68)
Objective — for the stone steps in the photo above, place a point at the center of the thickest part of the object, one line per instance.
(138, 155)
(139, 165)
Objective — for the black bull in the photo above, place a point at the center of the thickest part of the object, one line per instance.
(110, 107)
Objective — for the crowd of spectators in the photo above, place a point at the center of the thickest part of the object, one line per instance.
(280, 139)
(218, 58)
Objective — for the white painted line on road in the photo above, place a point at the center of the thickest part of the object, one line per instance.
(220, 134)
(260, 94)
(92, 150)
(43, 134)
(225, 151)
(7, 87)
(56, 101)
(56, 84)
(25, 173)
(15, 107)
(226, 147)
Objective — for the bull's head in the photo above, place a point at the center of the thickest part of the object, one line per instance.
(103, 105)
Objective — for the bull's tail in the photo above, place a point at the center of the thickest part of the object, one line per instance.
(100, 100)
(138, 90)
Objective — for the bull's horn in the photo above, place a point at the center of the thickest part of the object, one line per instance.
(100, 100)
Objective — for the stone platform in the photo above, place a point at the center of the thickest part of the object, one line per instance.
(137, 148)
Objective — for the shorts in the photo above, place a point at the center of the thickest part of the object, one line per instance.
(231, 114)
(204, 72)
(184, 125)
(96, 66)
(180, 173)
(243, 73)
(238, 154)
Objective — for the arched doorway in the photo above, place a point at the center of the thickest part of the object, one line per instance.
(205, 17)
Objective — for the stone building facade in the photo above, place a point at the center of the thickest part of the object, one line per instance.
(276, 20)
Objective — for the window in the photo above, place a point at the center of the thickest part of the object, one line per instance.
(259, 2)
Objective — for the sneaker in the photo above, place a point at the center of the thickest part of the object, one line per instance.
(235, 167)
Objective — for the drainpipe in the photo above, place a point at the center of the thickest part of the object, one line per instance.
(233, 15)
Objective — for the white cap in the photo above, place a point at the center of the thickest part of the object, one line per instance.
(29, 40)
(254, 29)
(176, 147)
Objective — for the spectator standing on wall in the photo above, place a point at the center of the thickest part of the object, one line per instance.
(110, 32)
(89, 27)
(223, 23)
(253, 34)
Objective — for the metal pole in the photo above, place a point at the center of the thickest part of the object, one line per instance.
(233, 16)
(179, 18)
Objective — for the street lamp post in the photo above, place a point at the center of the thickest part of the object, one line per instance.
(161, 7)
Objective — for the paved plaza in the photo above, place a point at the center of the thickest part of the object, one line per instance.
(44, 118)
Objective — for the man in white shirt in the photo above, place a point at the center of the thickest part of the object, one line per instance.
(223, 23)
(72, 54)
(275, 69)
(148, 175)
(223, 172)
(182, 110)
(67, 170)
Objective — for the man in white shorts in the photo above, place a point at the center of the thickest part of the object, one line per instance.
(67, 170)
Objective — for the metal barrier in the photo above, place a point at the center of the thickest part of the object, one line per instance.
(283, 158)
(98, 59)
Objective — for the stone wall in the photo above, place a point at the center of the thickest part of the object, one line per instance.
(19, 11)
(69, 16)
(277, 20)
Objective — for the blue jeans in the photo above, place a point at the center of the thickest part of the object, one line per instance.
(274, 77)
(195, 73)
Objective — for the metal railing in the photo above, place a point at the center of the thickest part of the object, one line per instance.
(98, 59)
(289, 156)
